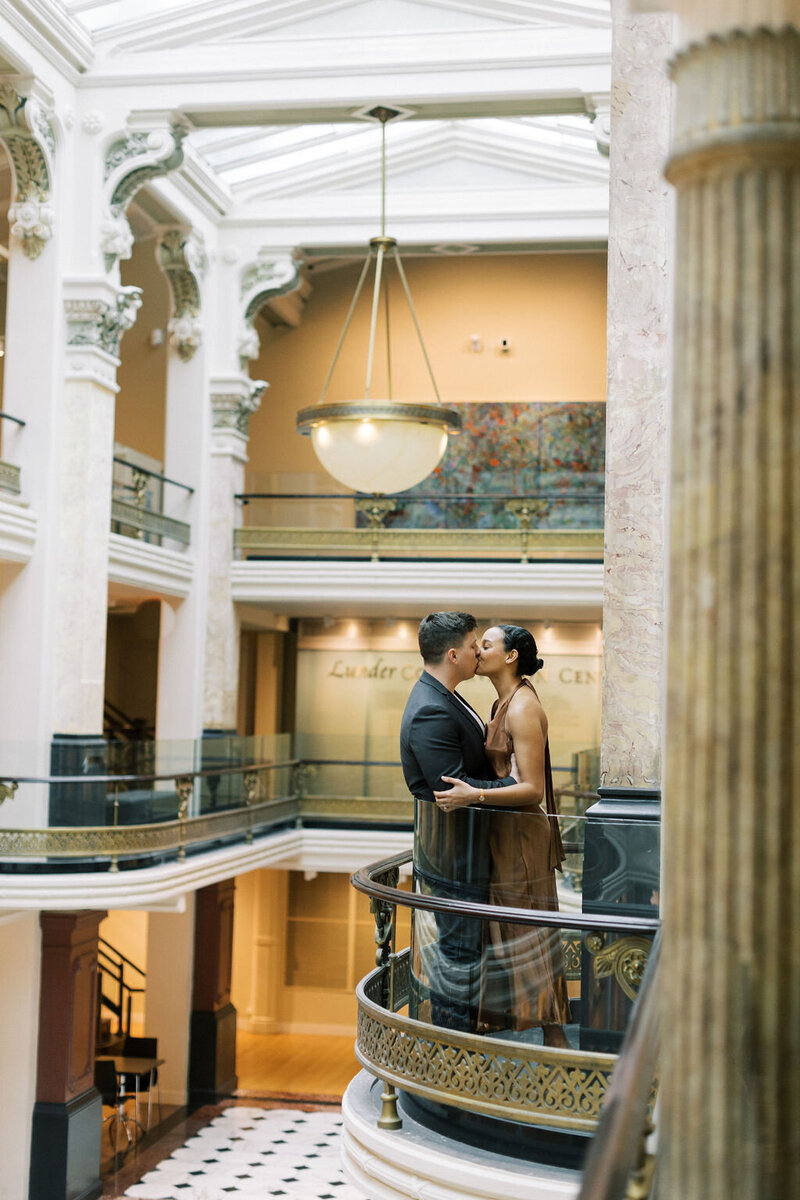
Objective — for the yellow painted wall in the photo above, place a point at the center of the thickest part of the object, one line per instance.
(142, 376)
(300, 947)
(551, 307)
(127, 931)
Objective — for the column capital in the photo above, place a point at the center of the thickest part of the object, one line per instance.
(182, 258)
(26, 131)
(738, 103)
(233, 402)
(98, 316)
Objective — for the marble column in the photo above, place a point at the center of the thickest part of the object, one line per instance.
(233, 401)
(186, 458)
(212, 1056)
(637, 398)
(97, 313)
(730, 1104)
(67, 1116)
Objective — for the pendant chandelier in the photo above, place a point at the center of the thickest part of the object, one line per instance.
(379, 445)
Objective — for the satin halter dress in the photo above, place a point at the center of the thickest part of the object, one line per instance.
(526, 850)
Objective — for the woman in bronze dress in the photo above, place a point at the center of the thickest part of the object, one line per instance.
(525, 841)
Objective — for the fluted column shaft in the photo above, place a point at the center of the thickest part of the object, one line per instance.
(731, 980)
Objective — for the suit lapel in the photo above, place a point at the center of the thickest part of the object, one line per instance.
(456, 703)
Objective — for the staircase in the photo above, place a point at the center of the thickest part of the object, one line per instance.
(118, 981)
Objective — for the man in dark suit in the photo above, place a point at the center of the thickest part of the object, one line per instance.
(441, 734)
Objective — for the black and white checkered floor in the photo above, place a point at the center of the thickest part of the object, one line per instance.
(249, 1152)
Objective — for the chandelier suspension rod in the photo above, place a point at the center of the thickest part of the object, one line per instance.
(388, 338)
(376, 295)
(347, 321)
(407, 291)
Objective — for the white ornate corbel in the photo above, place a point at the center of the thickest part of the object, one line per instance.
(27, 133)
(599, 108)
(133, 159)
(272, 274)
(183, 261)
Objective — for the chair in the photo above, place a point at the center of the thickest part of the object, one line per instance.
(105, 1080)
(145, 1047)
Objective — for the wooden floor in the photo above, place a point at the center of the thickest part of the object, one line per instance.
(294, 1064)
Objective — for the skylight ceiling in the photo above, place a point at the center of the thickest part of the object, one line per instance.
(274, 161)
(230, 19)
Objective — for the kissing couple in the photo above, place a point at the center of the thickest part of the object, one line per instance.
(482, 834)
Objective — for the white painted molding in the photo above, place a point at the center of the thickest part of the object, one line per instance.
(412, 1161)
(18, 526)
(148, 567)
(53, 32)
(342, 850)
(512, 590)
(199, 183)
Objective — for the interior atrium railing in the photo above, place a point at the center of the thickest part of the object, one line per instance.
(548, 524)
(9, 473)
(498, 1067)
(137, 505)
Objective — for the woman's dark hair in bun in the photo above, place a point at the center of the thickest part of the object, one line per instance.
(519, 639)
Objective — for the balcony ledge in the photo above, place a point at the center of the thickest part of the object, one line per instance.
(149, 567)
(18, 526)
(414, 1161)
(308, 586)
(165, 884)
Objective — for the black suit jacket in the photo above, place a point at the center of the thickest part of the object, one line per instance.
(451, 850)
(438, 737)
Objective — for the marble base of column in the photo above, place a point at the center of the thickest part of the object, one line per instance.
(621, 877)
(212, 1056)
(65, 1149)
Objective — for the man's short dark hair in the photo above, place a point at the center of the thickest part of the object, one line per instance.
(439, 631)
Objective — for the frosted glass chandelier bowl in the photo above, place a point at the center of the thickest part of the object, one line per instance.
(379, 446)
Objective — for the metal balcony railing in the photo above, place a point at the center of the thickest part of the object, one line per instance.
(9, 473)
(487, 1074)
(556, 524)
(137, 505)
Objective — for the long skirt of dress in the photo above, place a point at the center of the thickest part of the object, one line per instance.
(527, 961)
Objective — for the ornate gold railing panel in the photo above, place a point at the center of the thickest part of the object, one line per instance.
(532, 1084)
(508, 544)
(9, 478)
(144, 521)
(120, 841)
(376, 810)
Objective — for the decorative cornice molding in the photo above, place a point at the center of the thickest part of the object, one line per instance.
(232, 410)
(18, 527)
(139, 564)
(56, 35)
(100, 323)
(132, 160)
(183, 261)
(27, 133)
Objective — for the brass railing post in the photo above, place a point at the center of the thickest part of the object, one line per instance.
(139, 490)
(114, 857)
(183, 786)
(7, 790)
(250, 784)
(376, 509)
(526, 511)
(385, 914)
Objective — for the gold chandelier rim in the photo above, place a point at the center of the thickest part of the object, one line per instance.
(378, 410)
